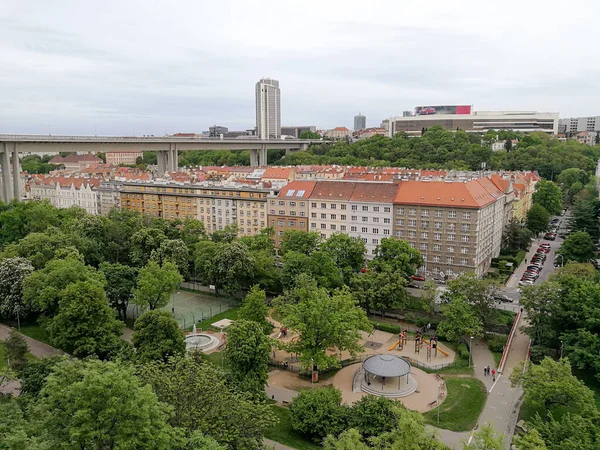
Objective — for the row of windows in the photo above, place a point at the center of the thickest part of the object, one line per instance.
(343, 206)
(438, 248)
(437, 213)
(291, 213)
(262, 222)
(282, 203)
(436, 236)
(354, 229)
(436, 225)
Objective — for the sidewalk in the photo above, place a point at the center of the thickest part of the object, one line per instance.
(36, 348)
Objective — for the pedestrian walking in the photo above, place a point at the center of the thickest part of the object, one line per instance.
(493, 374)
(485, 371)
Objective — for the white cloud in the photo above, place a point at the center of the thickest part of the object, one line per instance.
(149, 67)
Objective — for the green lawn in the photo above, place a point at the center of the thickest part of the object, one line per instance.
(216, 358)
(497, 357)
(231, 313)
(462, 406)
(36, 332)
(283, 433)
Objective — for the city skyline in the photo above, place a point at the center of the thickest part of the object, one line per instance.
(64, 74)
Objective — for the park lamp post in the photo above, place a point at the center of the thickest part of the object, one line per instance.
(470, 349)
(438, 405)
(562, 345)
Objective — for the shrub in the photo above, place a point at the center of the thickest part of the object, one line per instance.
(317, 413)
(372, 415)
(496, 342)
(463, 351)
(388, 328)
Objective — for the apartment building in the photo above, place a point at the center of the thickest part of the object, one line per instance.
(289, 210)
(215, 205)
(75, 162)
(65, 192)
(360, 210)
(109, 196)
(457, 226)
(117, 158)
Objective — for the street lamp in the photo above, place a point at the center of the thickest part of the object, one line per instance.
(562, 346)
(438, 405)
(470, 349)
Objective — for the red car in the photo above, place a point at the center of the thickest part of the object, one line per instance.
(417, 277)
(543, 249)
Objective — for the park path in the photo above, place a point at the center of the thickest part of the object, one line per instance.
(276, 445)
(36, 348)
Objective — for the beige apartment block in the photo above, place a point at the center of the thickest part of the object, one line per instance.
(289, 209)
(361, 210)
(456, 226)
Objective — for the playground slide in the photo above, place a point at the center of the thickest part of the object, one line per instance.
(393, 346)
(438, 347)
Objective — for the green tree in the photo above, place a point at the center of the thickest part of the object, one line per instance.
(174, 251)
(531, 440)
(13, 272)
(549, 196)
(85, 325)
(34, 373)
(310, 135)
(247, 357)
(199, 441)
(478, 292)
(460, 320)
(373, 415)
(318, 412)
(585, 216)
(486, 439)
(508, 145)
(234, 267)
(515, 236)
(410, 433)
(143, 243)
(157, 336)
(94, 404)
(192, 232)
(321, 321)
(537, 219)
(540, 302)
(347, 252)
(155, 284)
(380, 291)
(120, 283)
(348, 440)
(577, 247)
(16, 350)
(319, 265)
(569, 177)
(204, 401)
(299, 241)
(16, 432)
(21, 218)
(551, 386)
(225, 236)
(204, 268)
(396, 255)
(42, 289)
(254, 309)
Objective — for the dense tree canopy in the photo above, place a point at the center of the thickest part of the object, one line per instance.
(13, 272)
(537, 219)
(549, 196)
(155, 284)
(578, 247)
(157, 337)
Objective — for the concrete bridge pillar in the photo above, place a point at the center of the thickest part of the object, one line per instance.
(172, 158)
(6, 177)
(254, 158)
(263, 155)
(161, 157)
(16, 173)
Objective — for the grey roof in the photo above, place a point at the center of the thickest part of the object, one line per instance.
(386, 366)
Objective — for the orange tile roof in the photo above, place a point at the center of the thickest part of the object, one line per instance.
(282, 173)
(471, 194)
(332, 190)
(297, 187)
(374, 192)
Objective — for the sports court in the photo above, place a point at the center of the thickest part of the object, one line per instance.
(192, 307)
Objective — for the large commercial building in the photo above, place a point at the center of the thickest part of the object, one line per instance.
(360, 122)
(296, 131)
(574, 125)
(268, 109)
(462, 117)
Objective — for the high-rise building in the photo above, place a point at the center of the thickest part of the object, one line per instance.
(268, 109)
(574, 125)
(360, 122)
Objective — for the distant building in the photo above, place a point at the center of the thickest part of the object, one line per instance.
(338, 133)
(216, 131)
(360, 122)
(116, 158)
(75, 162)
(67, 191)
(587, 137)
(574, 125)
(109, 196)
(462, 117)
(369, 132)
(297, 131)
(268, 109)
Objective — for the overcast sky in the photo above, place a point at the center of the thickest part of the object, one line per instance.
(150, 67)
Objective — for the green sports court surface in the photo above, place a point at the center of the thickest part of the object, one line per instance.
(192, 307)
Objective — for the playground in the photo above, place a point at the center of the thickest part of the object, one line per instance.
(190, 307)
(415, 349)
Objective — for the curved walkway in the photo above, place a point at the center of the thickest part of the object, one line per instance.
(36, 348)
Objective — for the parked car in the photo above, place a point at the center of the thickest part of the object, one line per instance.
(503, 298)
(526, 282)
(535, 268)
(545, 245)
(543, 249)
(550, 236)
(417, 277)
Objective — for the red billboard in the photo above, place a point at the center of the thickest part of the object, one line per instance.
(446, 109)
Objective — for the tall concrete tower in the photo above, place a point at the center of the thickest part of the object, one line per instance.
(360, 122)
(268, 109)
